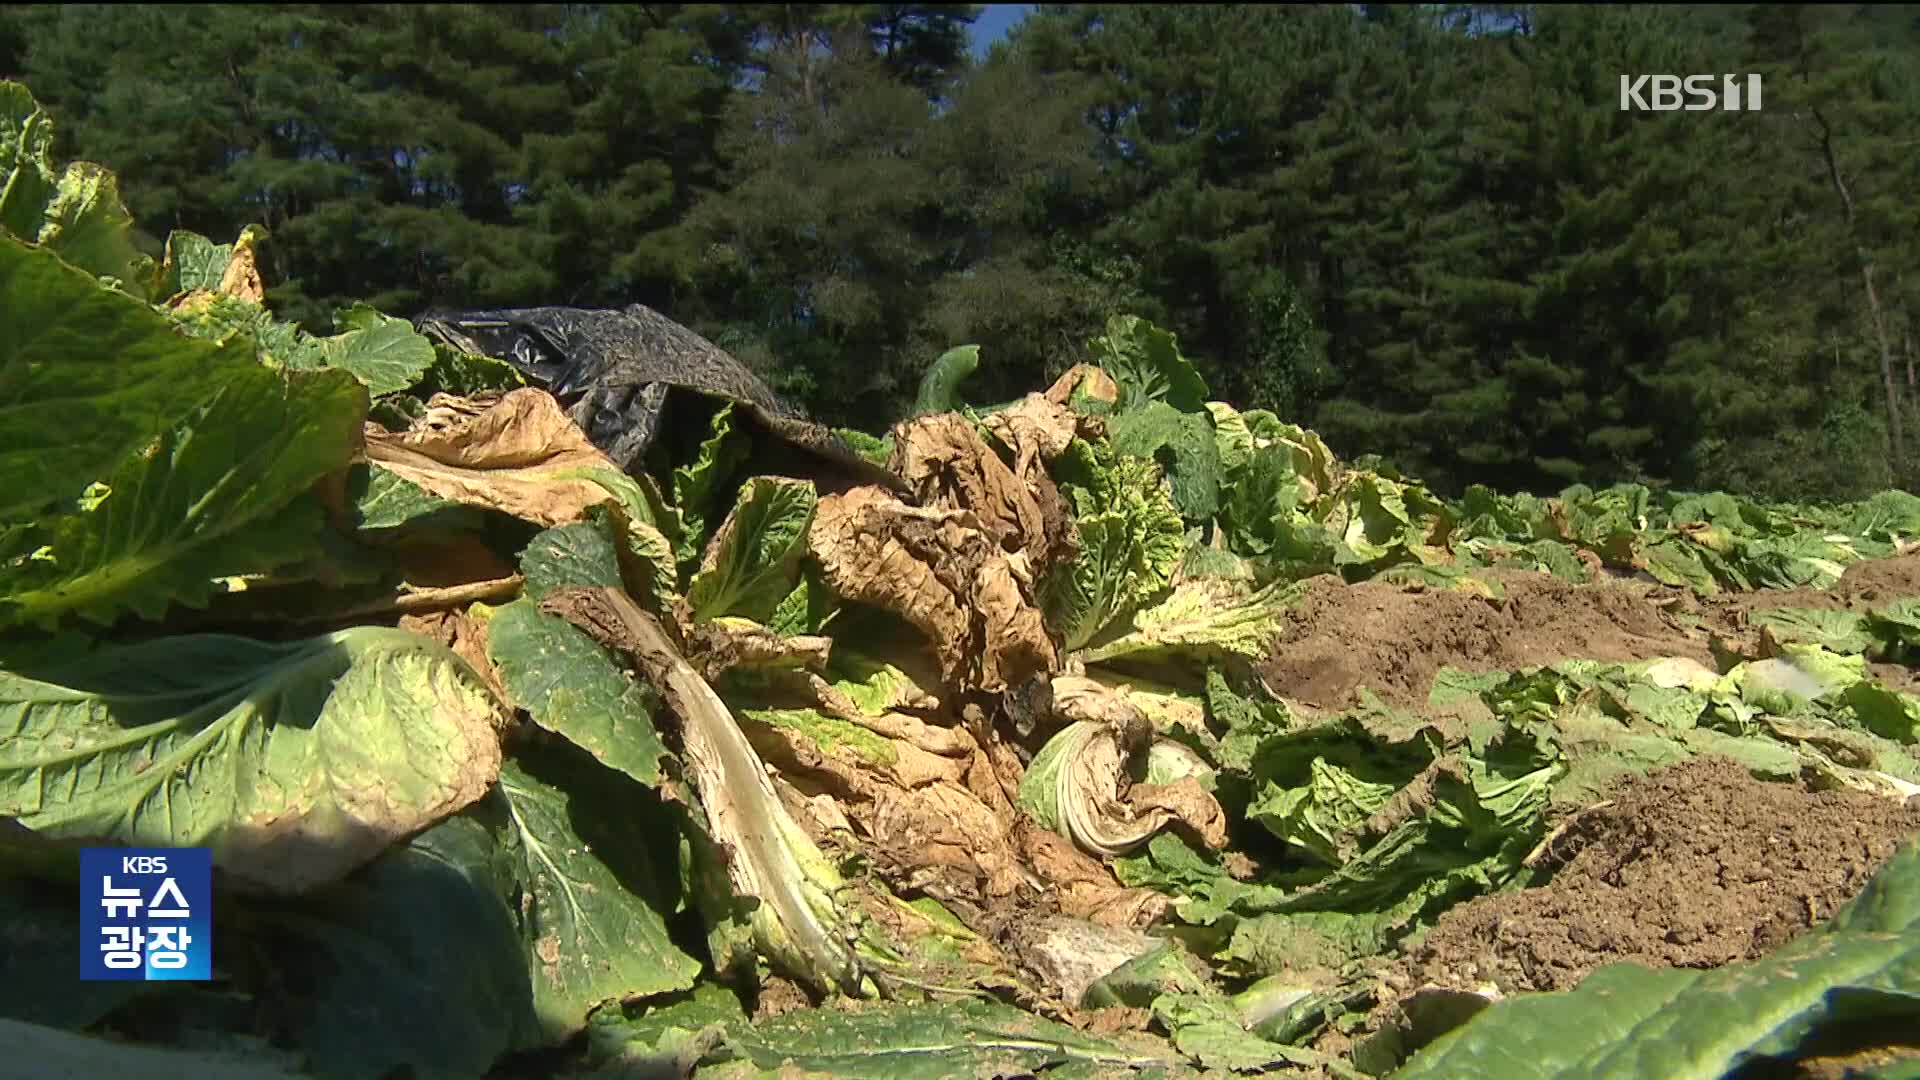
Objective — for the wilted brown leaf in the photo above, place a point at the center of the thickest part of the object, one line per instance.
(241, 278)
(891, 723)
(1076, 697)
(849, 769)
(1035, 429)
(940, 571)
(1110, 817)
(1186, 801)
(1096, 383)
(512, 454)
(744, 811)
(720, 645)
(943, 839)
(949, 466)
(466, 636)
(1086, 888)
(1163, 706)
(1101, 809)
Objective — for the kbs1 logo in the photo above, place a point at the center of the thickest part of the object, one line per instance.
(1693, 93)
(146, 914)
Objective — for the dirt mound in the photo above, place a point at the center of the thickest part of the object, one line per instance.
(1863, 585)
(1880, 580)
(1695, 866)
(1392, 639)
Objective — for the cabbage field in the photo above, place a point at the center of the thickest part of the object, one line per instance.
(1125, 733)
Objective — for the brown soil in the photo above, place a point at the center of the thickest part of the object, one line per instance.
(1862, 586)
(780, 996)
(1875, 1061)
(1695, 866)
(1392, 639)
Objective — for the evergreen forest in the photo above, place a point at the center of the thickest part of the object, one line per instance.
(1428, 232)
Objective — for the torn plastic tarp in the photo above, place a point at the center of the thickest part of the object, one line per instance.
(615, 371)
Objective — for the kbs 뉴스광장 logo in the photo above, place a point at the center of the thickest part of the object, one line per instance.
(146, 914)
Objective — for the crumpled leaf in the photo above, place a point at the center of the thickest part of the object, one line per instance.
(1403, 820)
(697, 485)
(1036, 430)
(1241, 437)
(1086, 389)
(1130, 540)
(947, 465)
(513, 454)
(1202, 619)
(753, 561)
(1167, 708)
(347, 742)
(845, 756)
(960, 842)
(938, 570)
(1379, 520)
(1076, 785)
(1083, 885)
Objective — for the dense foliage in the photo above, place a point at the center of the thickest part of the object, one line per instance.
(1426, 231)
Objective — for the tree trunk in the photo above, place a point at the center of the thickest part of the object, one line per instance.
(1875, 312)
(1906, 349)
